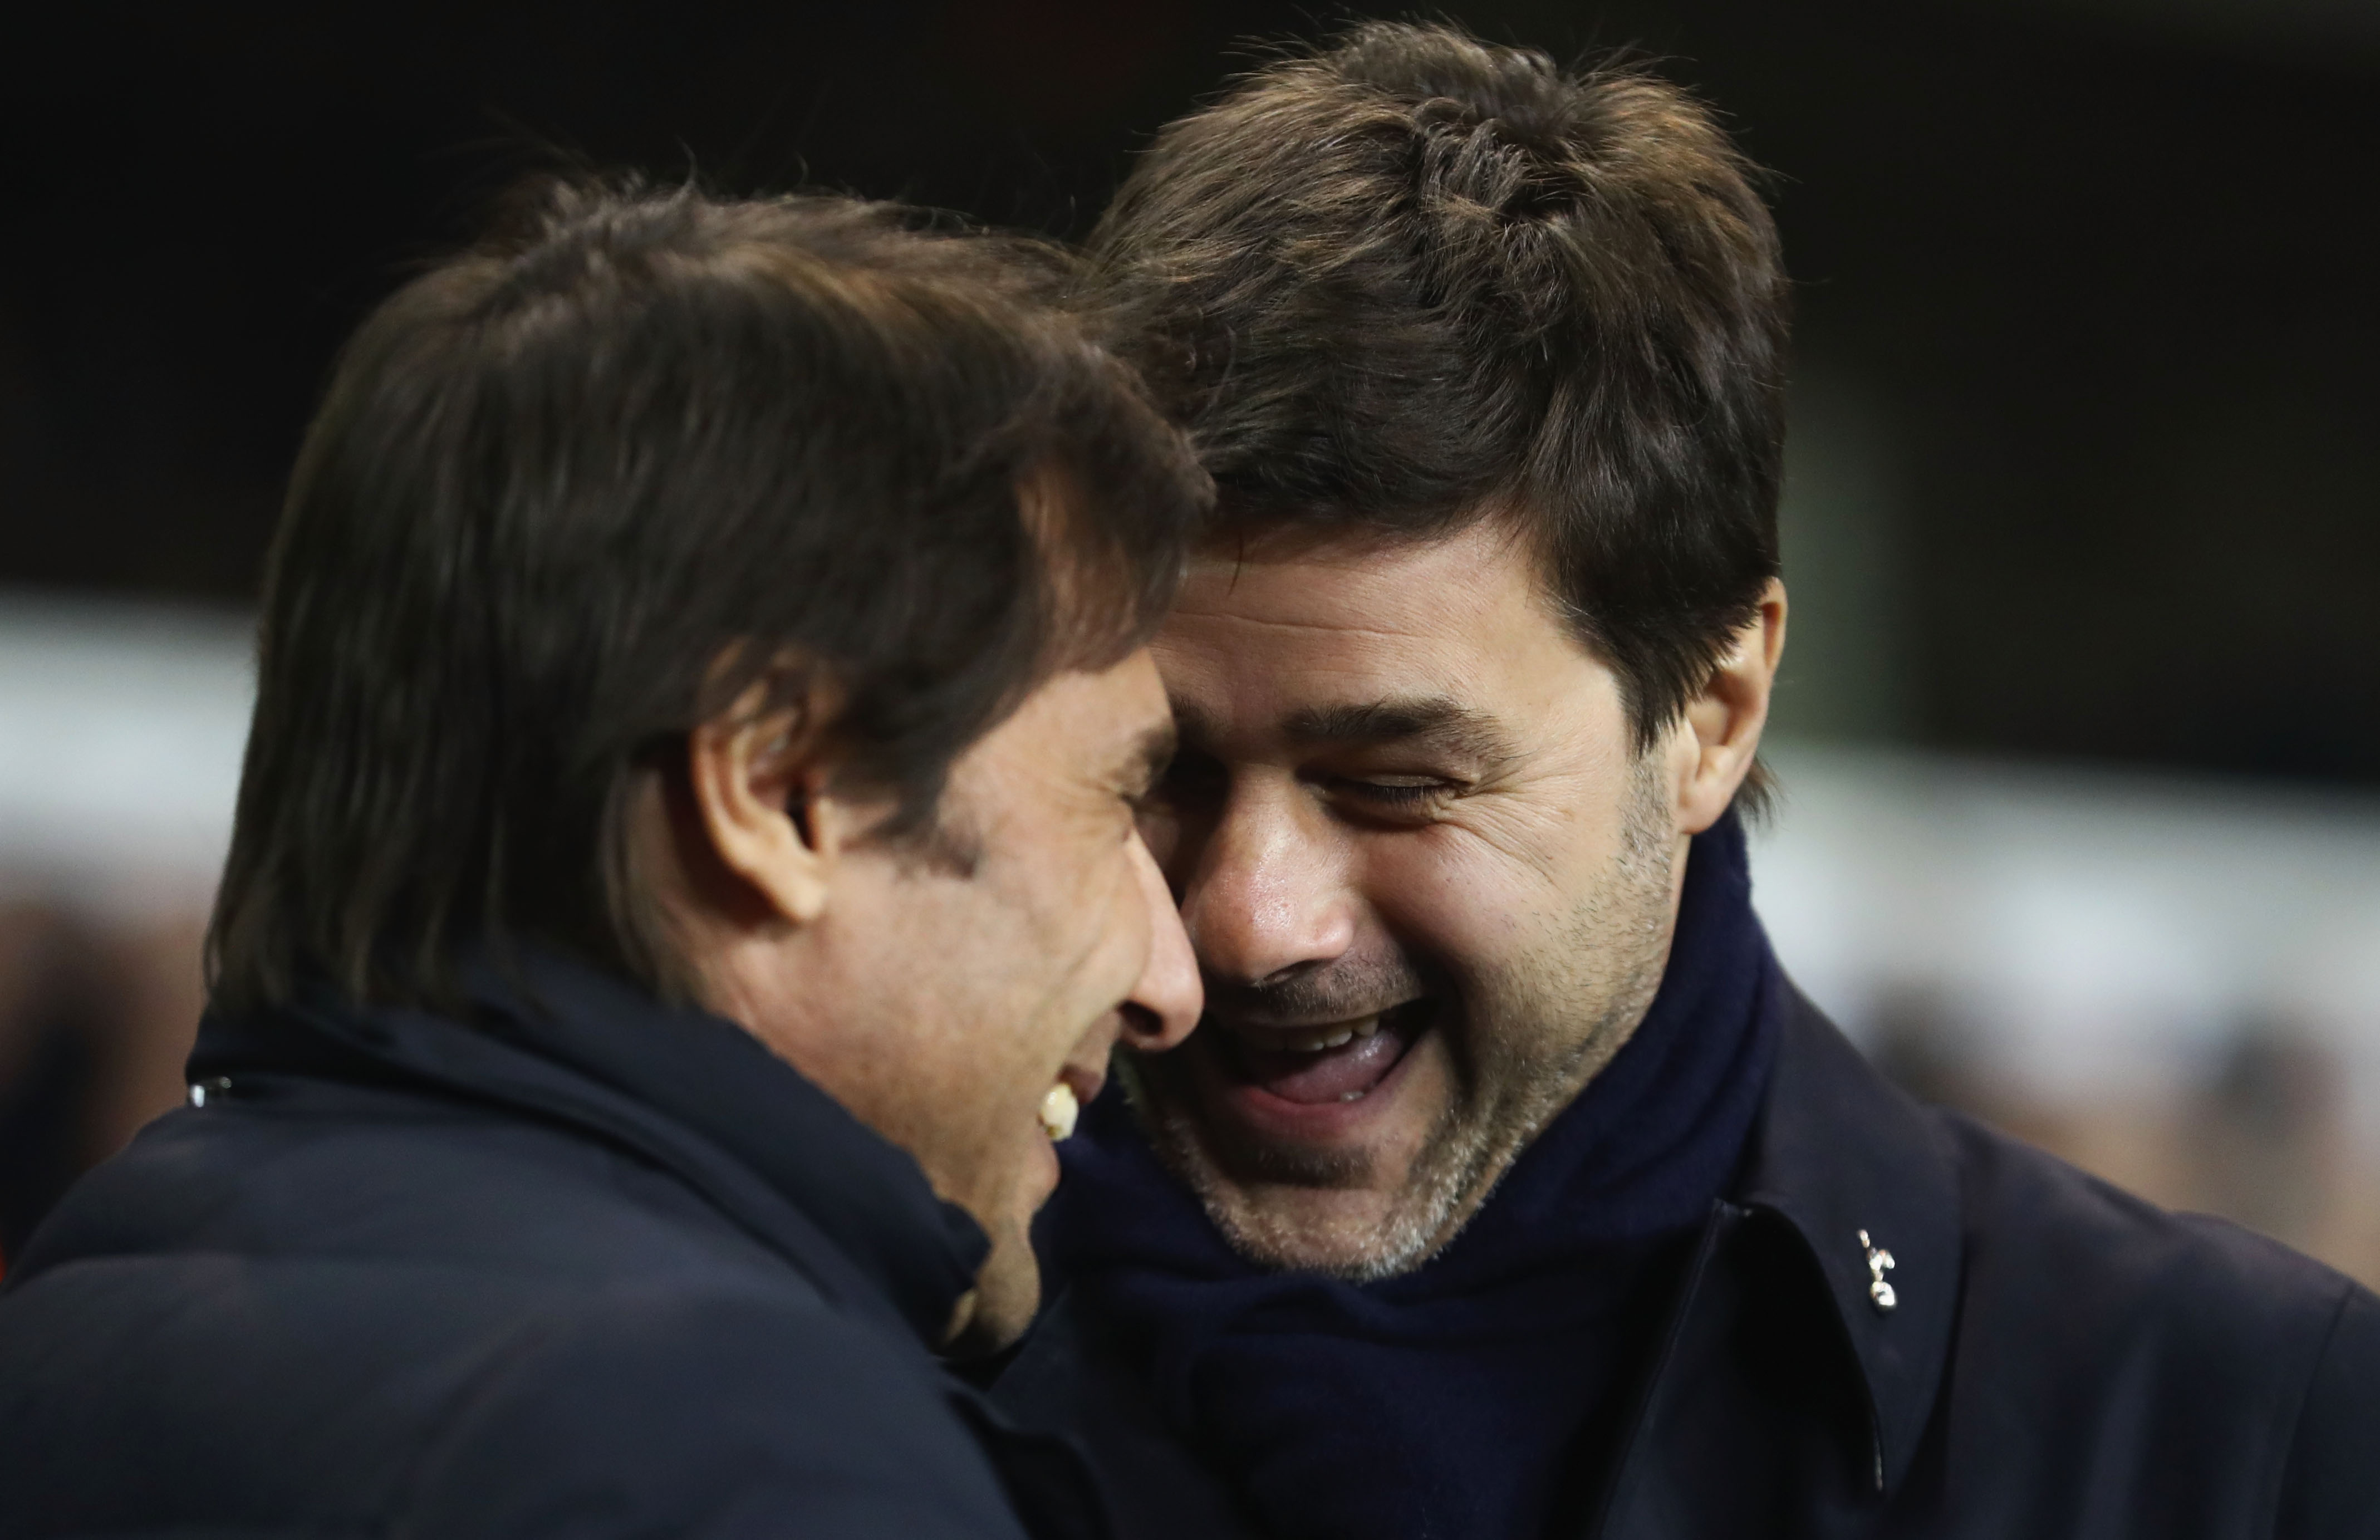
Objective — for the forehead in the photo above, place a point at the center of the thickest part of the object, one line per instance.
(1273, 632)
(1082, 726)
(1116, 708)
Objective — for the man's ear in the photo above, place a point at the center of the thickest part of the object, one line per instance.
(1721, 732)
(758, 776)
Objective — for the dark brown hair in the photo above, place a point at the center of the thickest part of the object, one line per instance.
(575, 491)
(1417, 279)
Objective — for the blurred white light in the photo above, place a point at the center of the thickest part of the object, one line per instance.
(121, 728)
(2107, 931)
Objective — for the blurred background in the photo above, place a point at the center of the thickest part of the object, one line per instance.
(2080, 732)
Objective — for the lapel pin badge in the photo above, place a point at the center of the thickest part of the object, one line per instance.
(1879, 1262)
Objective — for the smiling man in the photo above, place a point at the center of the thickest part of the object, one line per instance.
(1510, 1189)
(1430, 875)
(685, 873)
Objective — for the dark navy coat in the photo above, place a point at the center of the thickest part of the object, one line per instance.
(601, 1269)
(2049, 1357)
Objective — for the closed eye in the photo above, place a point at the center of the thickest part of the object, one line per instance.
(1399, 793)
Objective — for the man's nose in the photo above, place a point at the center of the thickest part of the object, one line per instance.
(1264, 894)
(1164, 1005)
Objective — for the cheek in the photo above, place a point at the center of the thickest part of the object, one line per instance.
(956, 988)
(1470, 903)
(1088, 920)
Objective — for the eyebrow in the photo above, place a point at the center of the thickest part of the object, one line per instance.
(1434, 721)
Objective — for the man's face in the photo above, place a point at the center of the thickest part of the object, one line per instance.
(1009, 959)
(1429, 882)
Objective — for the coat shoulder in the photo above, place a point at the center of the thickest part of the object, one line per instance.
(2108, 1324)
(456, 1325)
(329, 1393)
(688, 1411)
(404, 1180)
(2078, 1245)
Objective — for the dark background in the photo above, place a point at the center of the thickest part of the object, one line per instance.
(2088, 423)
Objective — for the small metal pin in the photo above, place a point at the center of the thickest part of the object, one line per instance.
(1879, 1261)
(199, 1089)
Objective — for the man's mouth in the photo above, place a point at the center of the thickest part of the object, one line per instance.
(1323, 1064)
(1076, 1087)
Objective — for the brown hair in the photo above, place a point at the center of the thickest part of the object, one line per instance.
(1415, 279)
(559, 479)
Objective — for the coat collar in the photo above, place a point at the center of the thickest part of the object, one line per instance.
(1838, 1150)
(691, 1092)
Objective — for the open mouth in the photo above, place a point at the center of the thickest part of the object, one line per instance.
(1326, 1063)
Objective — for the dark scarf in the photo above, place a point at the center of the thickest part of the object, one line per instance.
(1476, 1398)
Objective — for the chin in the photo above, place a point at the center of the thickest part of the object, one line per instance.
(1358, 1236)
(1361, 1193)
(1007, 1296)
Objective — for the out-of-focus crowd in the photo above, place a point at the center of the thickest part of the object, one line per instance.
(95, 1019)
(2262, 1134)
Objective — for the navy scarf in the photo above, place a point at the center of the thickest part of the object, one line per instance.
(1478, 1397)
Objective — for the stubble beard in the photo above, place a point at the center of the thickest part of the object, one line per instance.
(1524, 1042)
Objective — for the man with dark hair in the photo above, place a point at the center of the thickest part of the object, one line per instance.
(685, 876)
(1510, 1189)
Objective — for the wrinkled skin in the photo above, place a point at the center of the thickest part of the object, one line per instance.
(1429, 874)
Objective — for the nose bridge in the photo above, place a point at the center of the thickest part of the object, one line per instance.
(1268, 890)
(1168, 994)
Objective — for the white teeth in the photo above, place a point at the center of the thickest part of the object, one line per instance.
(1059, 1110)
(1338, 1035)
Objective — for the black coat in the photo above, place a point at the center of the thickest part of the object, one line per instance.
(2057, 1358)
(614, 1270)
